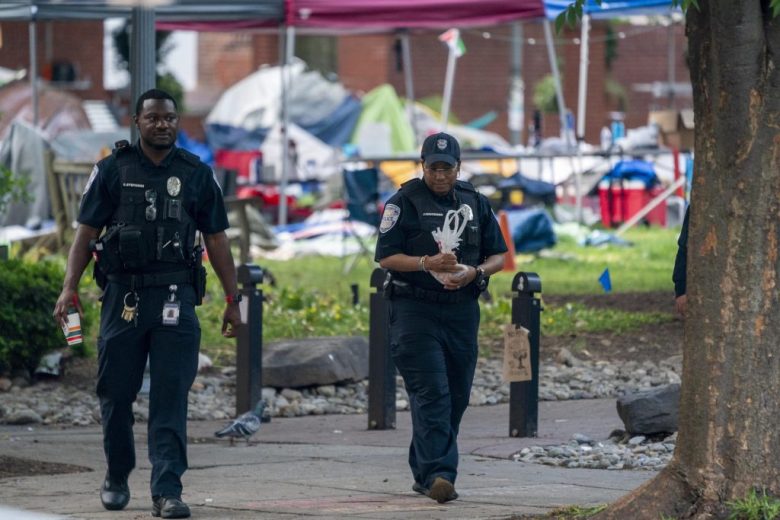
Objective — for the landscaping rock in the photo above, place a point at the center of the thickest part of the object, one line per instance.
(315, 361)
(651, 411)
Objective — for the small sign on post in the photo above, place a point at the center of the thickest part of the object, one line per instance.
(517, 354)
(524, 393)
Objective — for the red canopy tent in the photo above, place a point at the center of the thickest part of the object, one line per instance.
(394, 14)
(376, 15)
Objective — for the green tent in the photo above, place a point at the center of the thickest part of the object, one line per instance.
(383, 126)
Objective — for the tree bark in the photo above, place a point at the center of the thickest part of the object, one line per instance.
(729, 440)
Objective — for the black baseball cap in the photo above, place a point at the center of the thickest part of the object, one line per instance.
(440, 147)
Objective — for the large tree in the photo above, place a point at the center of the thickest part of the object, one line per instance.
(729, 428)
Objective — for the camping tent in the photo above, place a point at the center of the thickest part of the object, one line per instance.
(247, 110)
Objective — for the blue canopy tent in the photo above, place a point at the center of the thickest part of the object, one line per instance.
(603, 10)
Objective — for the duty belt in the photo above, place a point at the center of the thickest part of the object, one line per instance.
(139, 281)
(406, 290)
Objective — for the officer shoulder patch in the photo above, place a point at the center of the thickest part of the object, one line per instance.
(92, 176)
(390, 216)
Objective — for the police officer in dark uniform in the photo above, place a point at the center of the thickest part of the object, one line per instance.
(150, 199)
(434, 322)
(679, 275)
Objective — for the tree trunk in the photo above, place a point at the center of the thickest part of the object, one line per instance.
(729, 440)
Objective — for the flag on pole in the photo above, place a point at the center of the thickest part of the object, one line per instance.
(605, 281)
(453, 40)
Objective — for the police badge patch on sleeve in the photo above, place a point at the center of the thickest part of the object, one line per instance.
(91, 179)
(389, 218)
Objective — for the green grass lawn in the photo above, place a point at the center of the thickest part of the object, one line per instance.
(313, 296)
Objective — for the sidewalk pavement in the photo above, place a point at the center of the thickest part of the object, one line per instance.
(328, 467)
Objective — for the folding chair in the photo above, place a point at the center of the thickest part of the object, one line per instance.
(361, 195)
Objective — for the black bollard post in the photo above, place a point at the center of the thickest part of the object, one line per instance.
(249, 349)
(355, 294)
(381, 370)
(524, 395)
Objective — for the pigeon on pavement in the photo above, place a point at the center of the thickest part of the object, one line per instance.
(245, 425)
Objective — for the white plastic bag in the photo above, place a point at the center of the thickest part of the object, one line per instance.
(447, 238)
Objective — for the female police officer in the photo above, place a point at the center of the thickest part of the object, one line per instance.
(433, 324)
(151, 197)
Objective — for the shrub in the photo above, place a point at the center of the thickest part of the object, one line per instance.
(29, 292)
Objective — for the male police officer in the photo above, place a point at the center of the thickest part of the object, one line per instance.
(433, 324)
(151, 198)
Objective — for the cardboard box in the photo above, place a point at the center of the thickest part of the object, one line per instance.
(676, 127)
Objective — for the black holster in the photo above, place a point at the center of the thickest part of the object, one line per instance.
(198, 275)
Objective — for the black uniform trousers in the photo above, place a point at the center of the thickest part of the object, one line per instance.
(434, 346)
(173, 363)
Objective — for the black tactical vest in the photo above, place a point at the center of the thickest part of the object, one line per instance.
(151, 229)
(431, 215)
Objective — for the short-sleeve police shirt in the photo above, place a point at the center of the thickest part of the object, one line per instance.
(203, 201)
(400, 220)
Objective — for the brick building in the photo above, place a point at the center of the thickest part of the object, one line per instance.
(362, 62)
(69, 51)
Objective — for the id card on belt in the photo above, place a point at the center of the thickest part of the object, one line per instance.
(170, 313)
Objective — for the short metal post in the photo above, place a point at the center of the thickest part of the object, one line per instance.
(249, 348)
(381, 369)
(524, 395)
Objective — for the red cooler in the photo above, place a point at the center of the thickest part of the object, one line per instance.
(621, 200)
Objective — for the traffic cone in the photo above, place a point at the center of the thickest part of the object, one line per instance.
(509, 256)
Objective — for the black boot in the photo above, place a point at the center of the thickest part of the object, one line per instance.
(169, 507)
(115, 494)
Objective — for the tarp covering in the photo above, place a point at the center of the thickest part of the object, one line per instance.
(22, 152)
(314, 159)
(58, 111)
(532, 229)
(247, 110)
(610, 8)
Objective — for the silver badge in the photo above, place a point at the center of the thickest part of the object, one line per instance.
(174, 186)
(468, 211)
(441, 144)
(389, 217)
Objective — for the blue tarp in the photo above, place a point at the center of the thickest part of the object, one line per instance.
(611, 9)
(226, 137)
(636, 170)
(191, 145)
(336, 129)
(532, 229)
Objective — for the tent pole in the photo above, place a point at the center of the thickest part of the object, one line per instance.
(34, 64)
(448, 80)
(557, 79)
(583, 84)
(516, 102)
(409, 81)
(289, 54)
(670, 49)
(142, 56)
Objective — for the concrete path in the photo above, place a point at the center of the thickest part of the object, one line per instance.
(327, 467)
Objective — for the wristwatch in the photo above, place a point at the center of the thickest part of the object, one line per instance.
(480, 280)
(234, 298)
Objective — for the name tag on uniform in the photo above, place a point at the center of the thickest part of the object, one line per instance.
(170, 313)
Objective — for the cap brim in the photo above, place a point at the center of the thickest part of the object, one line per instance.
(441, 157)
